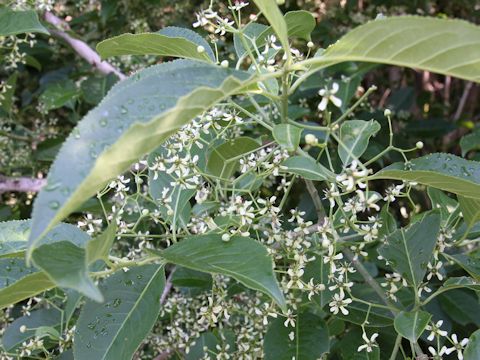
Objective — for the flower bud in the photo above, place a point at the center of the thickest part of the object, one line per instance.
(387, 112)
(23, 328)
(311, 139)
(419, 144)
(224, 64)
(226, 237)
(310, 45)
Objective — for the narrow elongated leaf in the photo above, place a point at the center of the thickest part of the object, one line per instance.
(472, 351)
(19, 22)
(13, 337)
(448, 47)
(311, 339)
(244, 259)
(136, 116)
(114, 329)
(272, 13)
(307, 168)
(287, 136)
(442, 171)
(355, 135)
(470, 210)
(223, 161)
(409, 250)
(171, 41)
(19, 282)
(411, 324)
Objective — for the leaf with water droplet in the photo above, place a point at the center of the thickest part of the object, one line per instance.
(441, 171)
(134, 310)
(408, 248)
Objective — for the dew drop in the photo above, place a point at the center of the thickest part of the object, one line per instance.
(103, 122)
(123, 110)
(54, 205)
(116, 303)
(52, 186)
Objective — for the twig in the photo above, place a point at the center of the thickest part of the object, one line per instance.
(168, 287)
(21, 184)
(463, 100)
(312, 190)
(80, 47)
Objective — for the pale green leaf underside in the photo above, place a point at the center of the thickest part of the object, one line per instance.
(114, 329)
(411, 324)
(307, 168)
(287, 136)
(135, 117)
(442, 171)
(449, 47)
(244, 259)
(19, 22)
(169, 43)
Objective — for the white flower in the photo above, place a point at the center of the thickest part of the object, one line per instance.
(329, 95)
(435, 330)
(457, 346)
(434, 270)
(369, 343)
(438, 355)
(238, 5)
(338, 304)
(290, 319)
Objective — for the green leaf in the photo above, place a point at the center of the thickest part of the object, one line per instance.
(13, 337)
(59, 94)
(99, 247)
(438, 45)
(307, 168)
(171, 41)
(299, 24)
(441, 201)
(442, 171)
(470, 142)
(472, 351)
(272, 13)
(310, 343)
(242, 258)
(409, 250)
(470, 210)
(7, 101)
(205, 344)
(287, 136)
(66, 264)
(411, 324)
(136, 116)
(460, 282)
(115, 329)
(462, 306)
(355, 135)
(14, 236)
(19, 282)
(470, 264)
(224, 159)
(19, 22)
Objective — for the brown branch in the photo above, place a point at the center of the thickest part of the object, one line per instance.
(463, 100)
(80, 47)
(21, 184)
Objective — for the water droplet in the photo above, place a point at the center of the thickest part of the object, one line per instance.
(93, 154)
(123, 110)
(76, 133)
(66, 191)
(52, 186)
(139, 276)
(54, 205)
(89, 345)
(103, 122)
(129, 282)
(116, 303)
